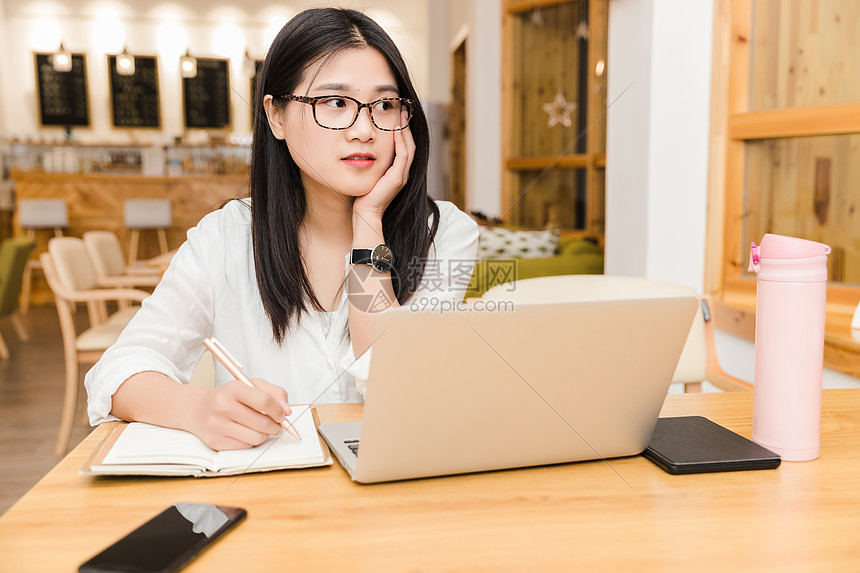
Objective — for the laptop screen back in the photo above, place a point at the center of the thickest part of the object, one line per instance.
(537, 383)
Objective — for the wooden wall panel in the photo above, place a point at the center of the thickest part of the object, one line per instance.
(538, 207)
(595, 188)
(547, 63)
(805, 53)
(718, 148)
(807, 187)
(785, 80)
(735, 253)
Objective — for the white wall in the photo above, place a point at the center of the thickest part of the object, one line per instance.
(480, 22)
(657, 138)
(5, 186)
(484, 131)
(4, 49)
(437, 97)
(438, 52)
(680, 111)
(628, 125)
(151, 27)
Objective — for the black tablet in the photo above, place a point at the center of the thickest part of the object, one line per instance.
(693, 444)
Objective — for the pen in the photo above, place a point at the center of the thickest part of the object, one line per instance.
(234, 368)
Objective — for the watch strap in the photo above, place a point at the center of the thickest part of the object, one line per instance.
(360, 256)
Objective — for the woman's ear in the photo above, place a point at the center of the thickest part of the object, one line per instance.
(275, 117)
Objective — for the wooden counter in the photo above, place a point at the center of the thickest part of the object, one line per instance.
(95, 202)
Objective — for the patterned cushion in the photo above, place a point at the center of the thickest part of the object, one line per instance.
(501, 243)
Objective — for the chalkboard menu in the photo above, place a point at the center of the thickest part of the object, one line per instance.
(62, 95)
(134, 98)
(206, 98)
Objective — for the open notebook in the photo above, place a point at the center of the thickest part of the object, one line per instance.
(144, 449)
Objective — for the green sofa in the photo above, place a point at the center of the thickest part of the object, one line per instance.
(574, 256)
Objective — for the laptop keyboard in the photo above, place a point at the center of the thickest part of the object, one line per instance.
(352, 445)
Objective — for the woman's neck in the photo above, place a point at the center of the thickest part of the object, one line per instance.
(328, 216)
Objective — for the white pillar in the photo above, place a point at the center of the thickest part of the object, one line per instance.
(484, 115)
(659, 66)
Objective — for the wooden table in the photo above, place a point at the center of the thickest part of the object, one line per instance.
(594, 516)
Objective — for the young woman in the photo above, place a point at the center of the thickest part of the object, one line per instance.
(338, 227)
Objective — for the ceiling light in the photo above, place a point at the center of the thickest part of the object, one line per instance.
(62, 60)
(125, 63)
(188, 65)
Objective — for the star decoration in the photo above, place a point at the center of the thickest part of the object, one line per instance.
(582, 31)
(559, 111)
(536, 18)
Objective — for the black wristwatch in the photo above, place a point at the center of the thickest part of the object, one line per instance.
(379, 257)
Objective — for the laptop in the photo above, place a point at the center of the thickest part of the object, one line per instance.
(521, 385)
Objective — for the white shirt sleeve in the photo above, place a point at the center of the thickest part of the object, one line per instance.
(167, 333)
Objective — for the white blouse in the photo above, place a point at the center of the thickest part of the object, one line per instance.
(210, 289)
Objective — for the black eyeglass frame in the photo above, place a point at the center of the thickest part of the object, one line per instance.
(312, 101)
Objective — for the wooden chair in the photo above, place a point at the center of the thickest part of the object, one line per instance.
(14, 257)
(70, 275)
(152, 214)
(698, 360)
(109, 263)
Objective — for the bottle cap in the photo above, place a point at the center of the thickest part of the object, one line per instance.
(782, 247)
(789, 259)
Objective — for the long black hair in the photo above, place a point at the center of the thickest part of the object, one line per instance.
(278, 203)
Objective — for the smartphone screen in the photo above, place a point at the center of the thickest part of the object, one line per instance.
(168, 541)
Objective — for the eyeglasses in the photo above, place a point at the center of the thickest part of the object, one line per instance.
(340, 112)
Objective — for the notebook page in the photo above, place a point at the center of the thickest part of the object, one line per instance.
(143, 443)
(283, 451)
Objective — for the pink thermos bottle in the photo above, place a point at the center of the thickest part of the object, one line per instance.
(791, 291)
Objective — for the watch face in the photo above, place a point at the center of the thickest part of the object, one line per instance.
(382, 258)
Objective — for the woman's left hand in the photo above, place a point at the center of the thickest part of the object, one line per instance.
(390, 184)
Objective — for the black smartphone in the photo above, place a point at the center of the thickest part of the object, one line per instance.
(694, 444)
(168, 541)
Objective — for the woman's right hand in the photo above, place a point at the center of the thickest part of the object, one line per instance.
(235, 416)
